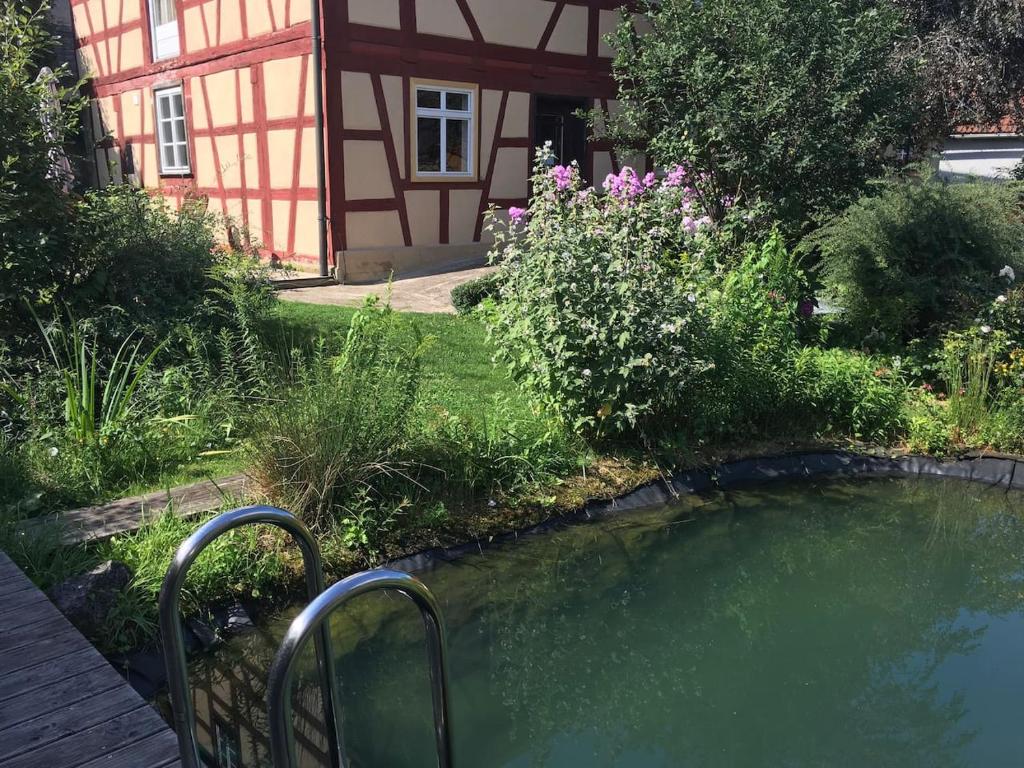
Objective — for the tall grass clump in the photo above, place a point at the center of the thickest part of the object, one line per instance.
(334, 441)
(967, 366)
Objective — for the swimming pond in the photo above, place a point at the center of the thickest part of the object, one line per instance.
(865, 622)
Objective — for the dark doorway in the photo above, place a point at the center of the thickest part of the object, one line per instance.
(556, 121)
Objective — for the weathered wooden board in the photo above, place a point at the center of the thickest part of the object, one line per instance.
(61, 704)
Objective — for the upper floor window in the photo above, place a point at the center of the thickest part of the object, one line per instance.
(163, 17)
(444, 131)
(172, 142)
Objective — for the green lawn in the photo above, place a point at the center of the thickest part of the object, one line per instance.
(457, 368)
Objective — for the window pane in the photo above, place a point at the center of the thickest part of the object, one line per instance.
(177, 107)
(182, 155)
(179, 130)
(166, 132)
(428, 99)
(458, 101)
(428, 144)
(163, 12)
(168, 153)
(458, 146)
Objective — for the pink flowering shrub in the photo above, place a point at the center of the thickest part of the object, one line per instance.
(599, 316)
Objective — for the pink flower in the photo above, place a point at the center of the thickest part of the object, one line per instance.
(649, 180)
(562, 174)
(689, 224)
(516, 214)
(675, 177)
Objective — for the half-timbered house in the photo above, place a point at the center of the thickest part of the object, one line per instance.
(369, 134)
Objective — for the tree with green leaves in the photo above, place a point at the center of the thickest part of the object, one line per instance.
(36, 236)
(794, 101)
(972, 58)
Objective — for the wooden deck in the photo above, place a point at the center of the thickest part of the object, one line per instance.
(61, 704)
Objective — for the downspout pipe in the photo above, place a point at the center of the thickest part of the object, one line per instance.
(318, 113)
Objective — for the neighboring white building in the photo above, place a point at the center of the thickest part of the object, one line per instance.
(984, 152)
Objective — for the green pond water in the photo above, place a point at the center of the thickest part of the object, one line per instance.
(835, 623)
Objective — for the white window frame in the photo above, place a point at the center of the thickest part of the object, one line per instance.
(165, 95)
(164, 37)
(467, 115)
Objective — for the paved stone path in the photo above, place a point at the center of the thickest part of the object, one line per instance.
(427, 293)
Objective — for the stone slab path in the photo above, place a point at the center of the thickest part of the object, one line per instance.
(105, 520)
(427, 293)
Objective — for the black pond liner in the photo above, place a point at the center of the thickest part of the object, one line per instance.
(994, 470)
(144, 668)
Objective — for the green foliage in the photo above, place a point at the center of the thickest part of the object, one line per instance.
(756, 311)
(792, 101)
(467, 296)
(98, 396)
(919, 256)
(850, 394)
(339, 432)
(37, 218)
(592, 320)
(248, 562)
(1004, 427)
(142, 263)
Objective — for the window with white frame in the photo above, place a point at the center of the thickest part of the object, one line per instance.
(163, 20)
(444, 131)
(172, 142)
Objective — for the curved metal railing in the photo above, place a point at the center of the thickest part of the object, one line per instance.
(174, 640)
(314, 621)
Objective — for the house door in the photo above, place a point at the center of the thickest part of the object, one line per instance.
(556, 121)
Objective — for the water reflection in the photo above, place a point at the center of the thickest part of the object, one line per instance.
(868, 623)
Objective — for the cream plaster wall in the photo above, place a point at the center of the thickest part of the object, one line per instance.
(441, 17)
(366, 171)
(373, 229)
(509, 179)
(571, 32)
(517, 116)
(463, 207)
(522, 28)
(424, 209)
(358, 105)
(375, 13)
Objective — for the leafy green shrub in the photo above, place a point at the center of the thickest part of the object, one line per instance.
(792, 101)
(592, 321)
(849, 393)
(467, 296)
(140, 261)
(928, 428)
(756, 308)
(920, 256)
(1004, 427)
(340, 431)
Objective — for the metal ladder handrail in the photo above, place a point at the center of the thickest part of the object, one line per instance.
(315, 616)
(174, 640)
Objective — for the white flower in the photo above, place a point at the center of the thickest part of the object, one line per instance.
(1000, 299)
(692, 298)
(1008, 273)
(492, 502)
(53, 451)
(986, 329)
(586, 373)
